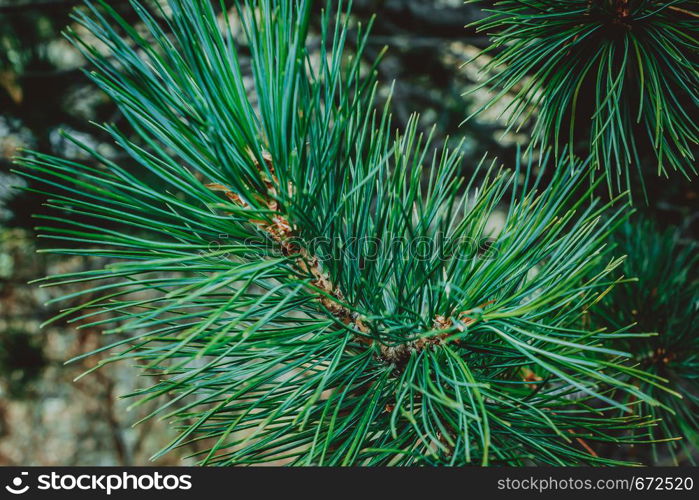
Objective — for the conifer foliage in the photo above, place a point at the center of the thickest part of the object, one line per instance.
(662, 299)
(305, 285)
(622, 75)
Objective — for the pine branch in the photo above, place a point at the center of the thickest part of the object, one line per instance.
(312, 287)
(619, 78)
(663, 299)
(331, 297)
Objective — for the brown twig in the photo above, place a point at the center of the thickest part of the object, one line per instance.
(684, 11)
(622, 8)
(584, 444)
(331, 297)
(281, 231)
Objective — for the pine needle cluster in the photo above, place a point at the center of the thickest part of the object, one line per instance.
(622, 76)
(662, 299)
(306, 285)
